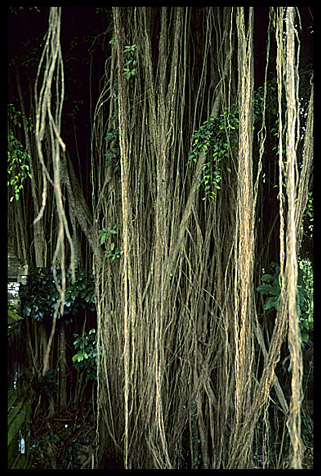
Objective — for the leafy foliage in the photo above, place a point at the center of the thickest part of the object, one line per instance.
(306, 296)
(40, 295)
(271, 287)
(12, 313)
(308, 218)
(111, 251)
(86, 353)
(18, 159)
(105, 233)
(113, 153)
(214, 139)
(47, 384)
(217, 136)
(16, 10)
(130, 61)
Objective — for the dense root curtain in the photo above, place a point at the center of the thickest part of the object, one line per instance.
(178, 331)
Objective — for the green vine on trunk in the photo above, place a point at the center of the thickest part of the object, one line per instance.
(18, 167)
(214, 139)
(217, 137)
(111, 251)
(85, 359)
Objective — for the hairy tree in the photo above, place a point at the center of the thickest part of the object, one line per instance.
(177, 315)
(200, 179)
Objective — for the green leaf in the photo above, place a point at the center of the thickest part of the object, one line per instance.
(264, 288)
(271, 303)
(275, 290)
(78, 357)
(266, 278)
(77, 341)
(304, 336)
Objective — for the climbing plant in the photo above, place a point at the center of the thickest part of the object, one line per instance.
(187, 366)
(111, 250)
(18, 158)
(215, 139)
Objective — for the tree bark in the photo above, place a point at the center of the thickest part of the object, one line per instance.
(79, 207)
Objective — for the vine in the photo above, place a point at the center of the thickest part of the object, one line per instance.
(131, 62)
(214, 139)
(18, 159)
(217, 136)
(130, 59)
(111, 251)
(113, 152)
